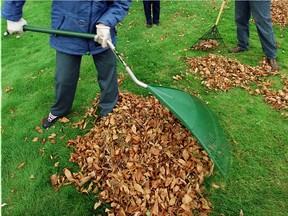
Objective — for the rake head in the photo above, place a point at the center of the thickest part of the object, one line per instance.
(212, 34)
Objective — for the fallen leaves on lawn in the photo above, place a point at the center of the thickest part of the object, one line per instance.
(279, 12)
(20, 166)
(221, 73)
(7, 89)
(38, 129)
(278, 98)
(209, 44)
(64, 120)
(142, 160)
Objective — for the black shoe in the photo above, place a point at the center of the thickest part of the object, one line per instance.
(273, 64)
(49, 121)
(148, 25)
(236, 50)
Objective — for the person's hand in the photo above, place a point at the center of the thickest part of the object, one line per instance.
(16, 27)
(103, 34)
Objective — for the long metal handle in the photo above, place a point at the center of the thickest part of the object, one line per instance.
(220, 12)
(129, 71)
(87, 36)
(58, 32)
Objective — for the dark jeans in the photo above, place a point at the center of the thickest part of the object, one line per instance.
(260, 11)
(67, 75)
(155, 7)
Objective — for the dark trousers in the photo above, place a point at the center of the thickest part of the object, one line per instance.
(67, 75)
(260, 11)
(153, 6)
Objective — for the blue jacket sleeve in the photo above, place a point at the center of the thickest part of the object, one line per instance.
(116, 13)
(12, 10)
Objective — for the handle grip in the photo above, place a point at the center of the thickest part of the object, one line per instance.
(55, 31)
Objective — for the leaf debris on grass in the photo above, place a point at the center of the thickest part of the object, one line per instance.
(208, 44)
(279, 12)
(222, 73)
(142, 160)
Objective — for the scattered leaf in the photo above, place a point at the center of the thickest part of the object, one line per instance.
(20, 166)
(7, 89)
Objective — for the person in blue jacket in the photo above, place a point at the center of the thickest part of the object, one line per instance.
(97, 17)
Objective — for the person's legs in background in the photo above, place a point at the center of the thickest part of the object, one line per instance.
(242, 17)
(147, 11)
(261, 14)
(156, 12)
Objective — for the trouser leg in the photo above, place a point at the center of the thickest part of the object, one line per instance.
(66, 79)
(242, 16)
(147, 11)
(105, 63)
(261, 14)
(156, 11)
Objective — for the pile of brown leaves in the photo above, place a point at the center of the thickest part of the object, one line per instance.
(278, 98)
(208, 44)
(279, 12)
(142, 160)
(222, 73)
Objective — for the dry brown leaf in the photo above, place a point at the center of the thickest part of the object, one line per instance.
(54, 180)
(215, 186)
(20, 166)
(56, 164)
(96, 205)
(38, 129)
(69, 175)
(52, 136)
(35, 139)
(64, 120)
(7, 89)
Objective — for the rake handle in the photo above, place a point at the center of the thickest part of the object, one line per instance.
(58, 32)
(220, 12)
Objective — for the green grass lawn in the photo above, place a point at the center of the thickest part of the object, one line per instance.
(257, 182)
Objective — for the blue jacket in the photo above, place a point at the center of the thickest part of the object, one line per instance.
(77, 16)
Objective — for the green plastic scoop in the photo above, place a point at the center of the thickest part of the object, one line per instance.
(193, 113)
